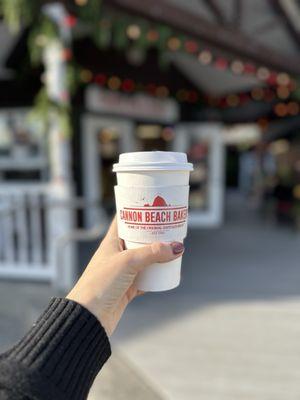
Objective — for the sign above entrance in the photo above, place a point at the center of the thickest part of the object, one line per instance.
(137, 106)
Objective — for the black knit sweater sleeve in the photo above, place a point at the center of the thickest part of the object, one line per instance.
(58, 358)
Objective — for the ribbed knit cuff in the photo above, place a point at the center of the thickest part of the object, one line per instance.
(67, 346)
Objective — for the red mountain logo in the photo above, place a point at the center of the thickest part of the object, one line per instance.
(157, 202)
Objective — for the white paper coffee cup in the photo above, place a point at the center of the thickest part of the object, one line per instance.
(152, 205)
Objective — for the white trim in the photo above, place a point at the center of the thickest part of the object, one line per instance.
(20, 271)
(90, 125)
(213, 216)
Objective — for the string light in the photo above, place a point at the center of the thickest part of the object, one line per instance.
(221, 63)
(114, 83)
(127, 85)
(280, 110)
(133, 32)
(167, 134)
(101, 79)
(70, 21)
(162, 91)
(237, 67)
(152, 35)
(283, 79)
(86, 75)
(262, 73)
(205, 57)
(192, 96)
(191, 46)
(293, 108)
(174, 44)
(249, 69)
(272, 79)
(67, 54)
(283, 92)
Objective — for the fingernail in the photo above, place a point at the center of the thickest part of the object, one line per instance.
(177, 247)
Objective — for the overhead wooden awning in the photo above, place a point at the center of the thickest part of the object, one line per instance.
(225, 36)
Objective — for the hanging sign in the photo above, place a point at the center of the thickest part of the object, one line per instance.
(138, 105)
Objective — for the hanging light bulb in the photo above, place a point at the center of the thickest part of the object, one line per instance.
(86, 75)
(114, 83)
(174, 44)
(249, 68)
(293, 108)
(237, 67)
(152, 35)
(133, 32)
(162, 91)
(205, 57)
(100, 79)
(128, 85)
(221, 63)
(191, 46)
(283, 79)
(263, 73)
(281, 110)
(283, 92)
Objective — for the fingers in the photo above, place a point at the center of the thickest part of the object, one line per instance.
(112, 232)
(111, 243)
(154, 253)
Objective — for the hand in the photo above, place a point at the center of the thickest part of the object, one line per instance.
(108, 283)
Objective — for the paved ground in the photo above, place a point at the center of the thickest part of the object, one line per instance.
(230, 332)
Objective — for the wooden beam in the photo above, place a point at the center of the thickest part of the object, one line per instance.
(266, 26)
(217, 11)
(192, 24)
(289, 10)
(237, 13)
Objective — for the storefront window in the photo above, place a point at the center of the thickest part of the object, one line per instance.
(109, 149)
(154, 137)
(198, 155)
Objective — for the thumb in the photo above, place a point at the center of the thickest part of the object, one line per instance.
(156, 252)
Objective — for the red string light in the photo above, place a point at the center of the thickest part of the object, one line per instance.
(191, 46)
(221, 63)
(127, 85)
(101, 79)
(70, 21)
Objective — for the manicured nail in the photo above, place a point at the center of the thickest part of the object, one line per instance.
(177, 247)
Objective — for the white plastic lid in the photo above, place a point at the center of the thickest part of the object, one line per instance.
(152, 160)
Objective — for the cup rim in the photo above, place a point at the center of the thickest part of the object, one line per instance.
(130, 167)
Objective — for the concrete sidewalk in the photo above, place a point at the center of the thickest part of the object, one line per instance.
(231, 330)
